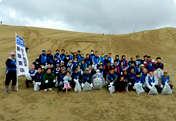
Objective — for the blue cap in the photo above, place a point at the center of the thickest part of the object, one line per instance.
(43, 50)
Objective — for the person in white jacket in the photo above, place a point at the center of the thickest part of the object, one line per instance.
(151, 80)
(158, 73)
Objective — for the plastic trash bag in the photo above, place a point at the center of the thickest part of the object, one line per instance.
(56, 84)
(87, 87)
(36, 86)
(166, 90)
(28, 77)
(111, 89)
(97, 83)
(126, 88)
(138, 87)
(77, 86)
(153, 91)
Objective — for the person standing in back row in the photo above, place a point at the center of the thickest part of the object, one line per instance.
(10, 72)
(43, 58)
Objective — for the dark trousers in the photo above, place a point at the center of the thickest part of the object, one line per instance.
(48, 85)
(120, 86)
(29, 81)
(11, 75)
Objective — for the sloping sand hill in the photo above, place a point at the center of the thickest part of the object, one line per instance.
(27, 105)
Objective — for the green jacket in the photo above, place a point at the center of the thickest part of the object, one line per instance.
(49, 77)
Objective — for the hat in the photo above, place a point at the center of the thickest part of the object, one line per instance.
(142, 64)
(124, 69)
(43, 50)
(12, 53)
(62, 61)
(57, 65)
(86, 69)
(43, 67)
(97, 71)
(70, 61)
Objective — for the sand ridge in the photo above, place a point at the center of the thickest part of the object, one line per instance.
(27, 105)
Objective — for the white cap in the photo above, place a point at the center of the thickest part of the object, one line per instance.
(98, 71)
(12, 53)
(62, 61)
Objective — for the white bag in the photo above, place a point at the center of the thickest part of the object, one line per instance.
(87, 87)
(97, 83)
(77, 86)
(166, 90)
(28, 77)
(126, 88)
(56, 84)
(153, 91)
(138, 88)
(94, 66)
(111, 89)
(36, 87)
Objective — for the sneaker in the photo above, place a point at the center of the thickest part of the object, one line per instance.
(12, 88)
(7, 89)
(59, 92)
(45, 90)
(117, 91)
(50, 89)
(27, 86)
(123, 91)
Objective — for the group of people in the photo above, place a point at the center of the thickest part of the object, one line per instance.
(66, 67)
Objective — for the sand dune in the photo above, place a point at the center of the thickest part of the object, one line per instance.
(87, 106)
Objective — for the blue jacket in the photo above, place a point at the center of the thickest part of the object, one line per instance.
(96, 60)
(165, 79)
(43, 58)
(11, 64)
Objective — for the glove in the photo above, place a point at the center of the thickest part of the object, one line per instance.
(111, 83)
(82, 85)
(75, 80)
(107, 82)
(166, 83)
(91, 85)
(129, 83)
(150, 87)
(161, 86)
(46, 81)
(54, 80)
(152, 83)
(143, 86)
(121, 73)
(39, 83)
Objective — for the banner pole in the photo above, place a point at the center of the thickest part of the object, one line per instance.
(16, 64)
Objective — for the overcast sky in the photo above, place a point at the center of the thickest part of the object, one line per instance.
(94, 16)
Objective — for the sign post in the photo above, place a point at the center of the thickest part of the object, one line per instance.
(21, 57)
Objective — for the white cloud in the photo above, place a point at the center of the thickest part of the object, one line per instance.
(0, 0)
(174, 1)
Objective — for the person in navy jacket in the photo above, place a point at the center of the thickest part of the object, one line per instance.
(10, 72)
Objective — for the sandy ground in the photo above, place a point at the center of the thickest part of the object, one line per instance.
(27, 105)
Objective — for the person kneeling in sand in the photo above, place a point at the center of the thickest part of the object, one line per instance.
(165, 78)
(32, 73)
(111, 78)
(121, 84)
(48, 80)
(87, 77)
(151, 80)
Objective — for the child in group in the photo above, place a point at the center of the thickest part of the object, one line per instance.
(66, 79)
(121, 84)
